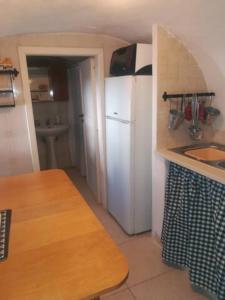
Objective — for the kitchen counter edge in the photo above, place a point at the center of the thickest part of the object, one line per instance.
(194, 165)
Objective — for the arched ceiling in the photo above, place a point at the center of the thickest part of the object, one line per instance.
(127, 19)
(200, 24)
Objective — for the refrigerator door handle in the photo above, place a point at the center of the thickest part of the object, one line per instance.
(119, 120)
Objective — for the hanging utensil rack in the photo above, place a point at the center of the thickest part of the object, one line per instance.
(166, 96)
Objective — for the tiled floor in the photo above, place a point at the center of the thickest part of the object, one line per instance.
(149, 278)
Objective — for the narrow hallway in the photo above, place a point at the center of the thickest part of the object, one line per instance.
(149, 278)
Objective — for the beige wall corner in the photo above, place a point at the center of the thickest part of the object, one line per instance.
(175, 71)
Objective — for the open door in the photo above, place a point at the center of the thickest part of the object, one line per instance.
(88, 92)
(75, 114)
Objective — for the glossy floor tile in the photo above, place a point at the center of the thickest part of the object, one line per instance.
(144, 259)
(173, 285)
(124, 295)
(149, 278)
(119, 290)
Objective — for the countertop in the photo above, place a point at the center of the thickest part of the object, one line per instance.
(194, 165)
(58, 249)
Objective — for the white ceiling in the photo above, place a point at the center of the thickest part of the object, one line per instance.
(127, 19)
(199, 23)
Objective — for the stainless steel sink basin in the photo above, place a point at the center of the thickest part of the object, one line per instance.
(206, 153)
(210, 153)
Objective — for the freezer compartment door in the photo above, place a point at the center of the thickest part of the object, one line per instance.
(119, 97)
(119, 178)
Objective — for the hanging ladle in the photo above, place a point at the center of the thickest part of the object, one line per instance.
(195, 130)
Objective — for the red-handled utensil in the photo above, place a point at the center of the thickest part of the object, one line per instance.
(188, 112)
(201, 112)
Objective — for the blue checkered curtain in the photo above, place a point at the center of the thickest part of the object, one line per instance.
(193, 234)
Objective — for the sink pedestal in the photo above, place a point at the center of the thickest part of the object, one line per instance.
(49, 134)
(52, 162)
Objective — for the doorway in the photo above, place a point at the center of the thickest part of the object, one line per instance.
(83, 117)
(88, 128)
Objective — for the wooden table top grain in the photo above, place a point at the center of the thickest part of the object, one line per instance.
(58, 250)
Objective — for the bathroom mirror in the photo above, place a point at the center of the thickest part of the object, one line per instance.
(40, 86)
(48, 78)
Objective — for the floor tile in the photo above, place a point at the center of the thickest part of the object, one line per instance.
(115, 291)
(81, 184)
(124, 295)
(173, 285)
(116, 232)
(144, 259)
(99, 211)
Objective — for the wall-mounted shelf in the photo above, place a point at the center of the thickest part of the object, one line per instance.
(11, 71)
(6, 91)
(7, 97)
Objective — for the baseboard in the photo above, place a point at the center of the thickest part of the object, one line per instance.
(157, 239)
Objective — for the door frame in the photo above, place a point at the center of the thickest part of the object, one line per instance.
(93, 78)
(97, 53)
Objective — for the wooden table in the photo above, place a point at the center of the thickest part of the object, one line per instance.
(58, 250)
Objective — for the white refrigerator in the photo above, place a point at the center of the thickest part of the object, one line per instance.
(128, 150)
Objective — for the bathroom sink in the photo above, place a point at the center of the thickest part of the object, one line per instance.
(54, 130)
(49, 135)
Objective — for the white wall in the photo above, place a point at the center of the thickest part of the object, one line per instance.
(14, 147)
